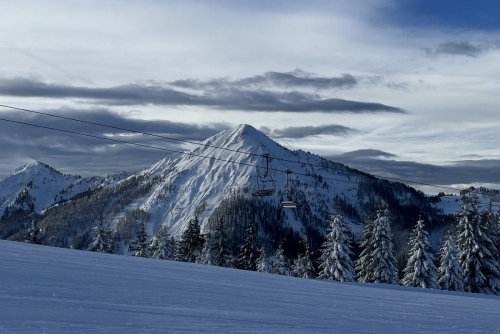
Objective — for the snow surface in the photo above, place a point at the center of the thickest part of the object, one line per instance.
(54, 290)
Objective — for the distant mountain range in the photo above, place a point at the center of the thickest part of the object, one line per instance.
(214, 181)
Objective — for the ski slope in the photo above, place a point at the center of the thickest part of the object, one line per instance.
(53, 290)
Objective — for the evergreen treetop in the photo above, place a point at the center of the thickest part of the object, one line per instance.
(480, 269)
(247, 255)
(449, 271)
(420, 270)
(335, 262)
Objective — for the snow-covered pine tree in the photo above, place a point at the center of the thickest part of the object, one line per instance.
(101, 242)
(139, 247)
(302, 266)
(480, 269)
(263, 264)
(364, 267)
(110, 240)
(384, 261)
(492, 272)
(160, 246)
(449, 271)
(335, 262)
(420, 270)
(207, 255)
(247, 255)
(176, 256)
(497, 227)
(280, 264)
(191, 243)
(377, 263)
(34, 236)
(220, 247)
(489, 223)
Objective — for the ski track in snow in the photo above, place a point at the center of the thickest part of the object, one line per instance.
(53, 290)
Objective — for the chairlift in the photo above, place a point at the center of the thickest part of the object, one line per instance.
(291, 204)
(265, 183)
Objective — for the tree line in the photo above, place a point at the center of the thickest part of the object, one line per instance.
(468, 259)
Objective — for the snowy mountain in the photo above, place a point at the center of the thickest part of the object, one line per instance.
(54, 290)
(226, 169)
(215, 181)
(36, 186)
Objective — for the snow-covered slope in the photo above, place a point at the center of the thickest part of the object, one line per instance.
(230, 163)
(205, 177)
(214, 181)
(54, 290)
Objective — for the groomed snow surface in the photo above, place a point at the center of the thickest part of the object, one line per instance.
(53, 290)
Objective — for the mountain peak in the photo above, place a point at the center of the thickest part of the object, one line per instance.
(33, 166)
(242, 137)
(246, 130)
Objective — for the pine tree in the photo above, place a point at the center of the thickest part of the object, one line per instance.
(139, 247)
(377, 263)
(335, 262)
(247, 255)
(302, 266)
(497, 228)
(263, 264)
(280, 264)
(384, 261)
(34, 235)
(220, 249)
(480, 270)
(102, 238)
(176, 256)
(420, 270)
(208, 253)
(364, 265)
(160, 246)
(490, 225)
(191, 243)
(449, 271)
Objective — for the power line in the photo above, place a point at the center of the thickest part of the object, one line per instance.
(120, 141)
(206, 145)
(154, 147)
(125, 129)
(193, 142)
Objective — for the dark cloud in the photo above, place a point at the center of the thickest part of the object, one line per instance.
(261, 100)
(457, 49)
(471, 156)
(457, 172)
(219, 97)
(367, 153)
(294, 80)
(132, 94)
(72, 153)
(308, 131)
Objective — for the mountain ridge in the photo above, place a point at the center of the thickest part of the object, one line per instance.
(215, 181)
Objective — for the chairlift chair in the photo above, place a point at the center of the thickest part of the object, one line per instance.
(265, 183)
(291, 204)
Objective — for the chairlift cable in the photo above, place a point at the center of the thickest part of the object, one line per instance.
(199, 143)
(212, 146)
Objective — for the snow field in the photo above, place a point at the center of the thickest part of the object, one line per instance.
(53, 290)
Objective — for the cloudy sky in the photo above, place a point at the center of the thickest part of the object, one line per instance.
(406, 88)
